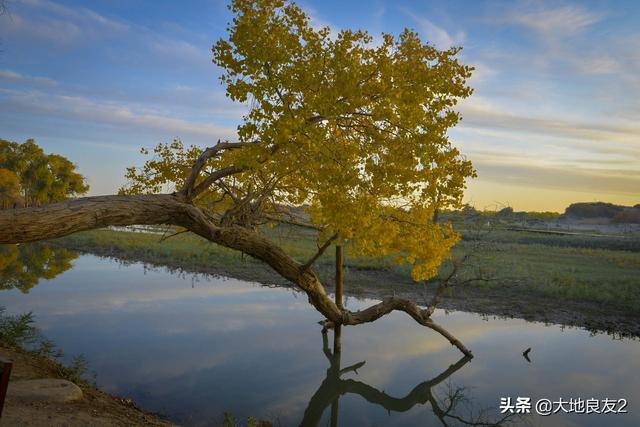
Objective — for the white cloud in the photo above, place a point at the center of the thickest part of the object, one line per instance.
(23, 78)
(110, 113)
(622, 182)
(431, 32)
(53, 31)
(483, 114)
(559, 21)
(65, 27)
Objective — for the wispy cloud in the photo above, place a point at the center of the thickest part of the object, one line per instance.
(622, 182)
(554, 22)
(23, 78)
(60, 26)
(110, 113)
(433, 33)
(480, 115)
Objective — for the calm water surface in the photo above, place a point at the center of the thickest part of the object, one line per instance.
(193, 347)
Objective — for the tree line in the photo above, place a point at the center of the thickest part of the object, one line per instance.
(30, 177)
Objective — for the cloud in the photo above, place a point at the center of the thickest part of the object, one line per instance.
(110, 113)
(54, 31)
(80, 14)
(568, 40)
(179, 50)
(481, 114)
(433, 33)
(622, 182)
(79, 27)
(23, 78)
(559, 21)
(59, 25)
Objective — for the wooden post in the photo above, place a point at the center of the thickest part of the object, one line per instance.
(5, 373)
(335, 366)
(337, 343)
(339, 276)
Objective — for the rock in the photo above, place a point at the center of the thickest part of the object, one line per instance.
(44, 390)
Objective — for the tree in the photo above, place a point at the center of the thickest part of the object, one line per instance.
(43, 178)
(356, 131)
(9, 188)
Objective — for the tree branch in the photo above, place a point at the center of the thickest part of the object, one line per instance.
(386, 306)
(188, 187)
(321, 250)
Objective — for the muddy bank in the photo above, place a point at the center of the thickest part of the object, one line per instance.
(95, 408)
(513, 301)
(510, 300)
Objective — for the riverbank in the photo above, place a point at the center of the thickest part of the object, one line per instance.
(95, 408)
(568, 280)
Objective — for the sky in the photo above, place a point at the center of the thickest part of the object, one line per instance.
(553, 119)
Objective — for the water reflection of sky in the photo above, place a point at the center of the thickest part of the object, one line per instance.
(193, 348)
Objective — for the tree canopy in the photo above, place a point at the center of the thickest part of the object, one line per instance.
(42, 178)
(353, 128)
(9, 188)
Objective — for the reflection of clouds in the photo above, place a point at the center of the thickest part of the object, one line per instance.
(232, 345)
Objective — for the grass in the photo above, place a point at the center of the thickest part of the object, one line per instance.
(573, 267)
(579, 274)
(18, 333)
(613, 242)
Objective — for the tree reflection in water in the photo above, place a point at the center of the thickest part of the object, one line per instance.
(23, 266)
(446, 408)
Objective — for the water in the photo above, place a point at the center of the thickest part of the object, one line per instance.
(193, 347)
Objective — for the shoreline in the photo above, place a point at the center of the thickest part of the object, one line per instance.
(95, 408)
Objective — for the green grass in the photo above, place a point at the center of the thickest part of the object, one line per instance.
(563, 267)
(628, 242)
(18, 333)
(581, 274)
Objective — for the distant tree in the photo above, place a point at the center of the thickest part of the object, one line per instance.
(354, 129)
(9, 188)
(43, 178)
(593, 210)
(505, 213)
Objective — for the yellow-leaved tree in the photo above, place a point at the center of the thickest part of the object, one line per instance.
(355, 130)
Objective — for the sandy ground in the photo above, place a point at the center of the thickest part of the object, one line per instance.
(96, 408)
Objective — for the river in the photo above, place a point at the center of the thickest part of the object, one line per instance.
(192, 347)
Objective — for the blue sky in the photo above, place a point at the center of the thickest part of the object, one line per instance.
(553, 120)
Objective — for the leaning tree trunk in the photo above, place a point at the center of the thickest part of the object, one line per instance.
(63, 218)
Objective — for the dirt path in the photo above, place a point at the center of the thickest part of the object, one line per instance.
(96, 408)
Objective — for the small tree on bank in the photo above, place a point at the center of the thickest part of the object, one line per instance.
(355, 130)
(42, 178)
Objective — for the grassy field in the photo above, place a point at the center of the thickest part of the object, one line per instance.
(565, 267)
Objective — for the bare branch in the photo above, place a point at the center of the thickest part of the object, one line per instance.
(213, 177)
(188, 188)
(290, 221)
(318, 254)
(164, 237)
(376, 311)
